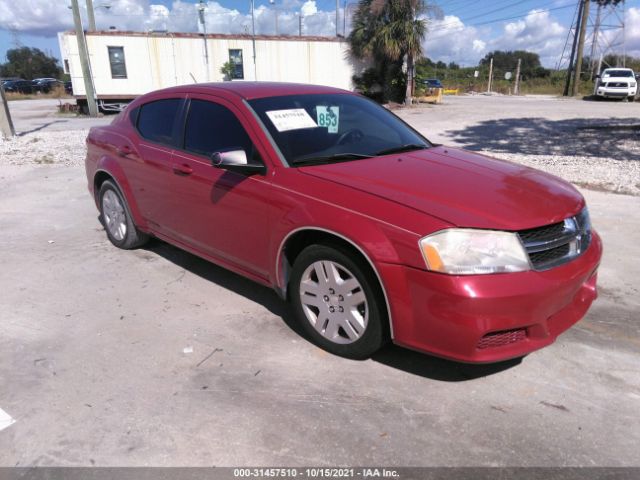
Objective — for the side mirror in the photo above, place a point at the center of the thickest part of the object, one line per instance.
(236, 161)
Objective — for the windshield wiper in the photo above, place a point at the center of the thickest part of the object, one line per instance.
(330, 158)
(407, 147)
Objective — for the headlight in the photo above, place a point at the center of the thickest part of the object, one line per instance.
(458, 251)
(633, 84)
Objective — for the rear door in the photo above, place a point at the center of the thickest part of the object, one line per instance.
(149, 166)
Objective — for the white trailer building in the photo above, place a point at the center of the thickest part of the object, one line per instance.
(127, 64)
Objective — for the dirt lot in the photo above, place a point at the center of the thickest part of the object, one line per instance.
(154, 357)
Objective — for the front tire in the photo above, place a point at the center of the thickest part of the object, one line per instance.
(338, 302)
(116, 218)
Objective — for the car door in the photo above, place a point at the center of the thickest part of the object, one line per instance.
(223, 214)
(148, 160)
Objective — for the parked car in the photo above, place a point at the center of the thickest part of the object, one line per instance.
(18, 86)
(45, 85)
(369, 230)
(616, 83)
(432, 83)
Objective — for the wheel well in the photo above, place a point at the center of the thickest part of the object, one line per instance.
(297, 242)
(98, 180)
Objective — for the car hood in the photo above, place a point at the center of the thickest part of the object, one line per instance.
(460, 187)
(618, 79)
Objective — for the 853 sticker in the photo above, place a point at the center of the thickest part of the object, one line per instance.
(328, 117)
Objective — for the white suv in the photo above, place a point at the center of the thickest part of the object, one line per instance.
(616, 83)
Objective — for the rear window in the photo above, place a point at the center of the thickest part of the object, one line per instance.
(156, 120)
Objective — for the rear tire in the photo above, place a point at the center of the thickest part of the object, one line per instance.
(116, 218)
(338, 302)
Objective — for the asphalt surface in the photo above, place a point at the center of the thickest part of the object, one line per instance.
(155, 357)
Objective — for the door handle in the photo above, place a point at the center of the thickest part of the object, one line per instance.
(182, 169)
(124, 150)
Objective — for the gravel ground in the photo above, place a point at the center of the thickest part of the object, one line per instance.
(45, 148)
(562, 137)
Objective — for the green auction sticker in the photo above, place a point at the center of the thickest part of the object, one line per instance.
(328, 117)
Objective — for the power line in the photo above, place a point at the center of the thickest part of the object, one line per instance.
(444, 27)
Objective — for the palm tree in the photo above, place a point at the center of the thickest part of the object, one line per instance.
(390, 30)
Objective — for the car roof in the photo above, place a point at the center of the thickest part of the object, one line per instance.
(253, 90)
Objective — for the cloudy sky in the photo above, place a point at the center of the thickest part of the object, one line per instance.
(462, 31)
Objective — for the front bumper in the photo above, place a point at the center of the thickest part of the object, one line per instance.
(489, 318)
(616, 92)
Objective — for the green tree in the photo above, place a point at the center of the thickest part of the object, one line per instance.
(388, 31)
(228, 69)
(507, 61)
(29, 63)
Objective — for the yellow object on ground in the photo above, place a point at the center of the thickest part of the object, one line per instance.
(431, 95)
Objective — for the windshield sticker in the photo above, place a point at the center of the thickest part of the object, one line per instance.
(328, 117)
(293, 119)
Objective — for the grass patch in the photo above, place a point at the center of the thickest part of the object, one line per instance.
(58, 92)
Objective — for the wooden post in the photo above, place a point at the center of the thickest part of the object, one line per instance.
(583, 29)
(572, 57)
(91, 15)
(6, 125)
(516, 87)
(490, 75)
(84, 60)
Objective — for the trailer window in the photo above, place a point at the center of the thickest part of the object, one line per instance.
(116, 59)
(235, 57)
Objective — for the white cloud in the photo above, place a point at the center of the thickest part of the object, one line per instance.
(46, 18)
(449, 39)
(537, 32)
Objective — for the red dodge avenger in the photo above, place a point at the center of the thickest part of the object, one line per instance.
(369, 230)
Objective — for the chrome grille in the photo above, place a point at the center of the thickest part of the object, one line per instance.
(558, 243)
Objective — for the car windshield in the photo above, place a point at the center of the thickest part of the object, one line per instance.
(322, 128)
(618, 73)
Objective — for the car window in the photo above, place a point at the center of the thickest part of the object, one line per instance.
(618, 73)
(323, 125)
(212, 128)
(156, 120)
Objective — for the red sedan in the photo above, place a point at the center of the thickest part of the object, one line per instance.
(369, 230)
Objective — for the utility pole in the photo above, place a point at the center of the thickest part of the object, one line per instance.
(583, 29)
(84, 61)
(6, 125)
(299, 24)
(594, 41)
(201, 10)
(337, 12)
(490, 75)
(253, 39)
(516, 87)
(91, 15)
(572, 57)
(596, 82)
